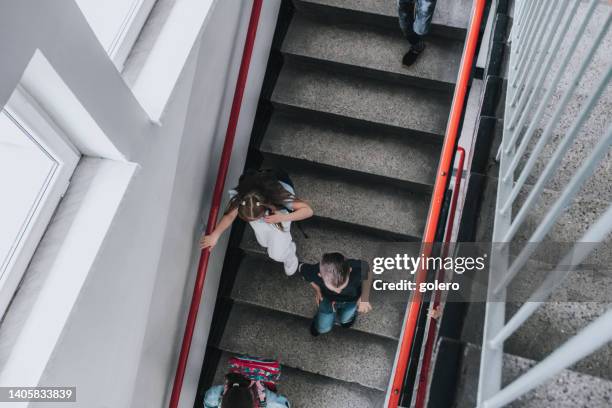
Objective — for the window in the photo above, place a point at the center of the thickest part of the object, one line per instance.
(36, 163)
(116, 23)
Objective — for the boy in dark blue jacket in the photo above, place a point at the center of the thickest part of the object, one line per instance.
(342, 289)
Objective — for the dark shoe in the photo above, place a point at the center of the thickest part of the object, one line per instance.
(411, 56)
(313, 330)
(350, 323)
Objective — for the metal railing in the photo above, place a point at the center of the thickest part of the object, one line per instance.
(443, 175)
(215, 206)
(431, 332)
(546, 38)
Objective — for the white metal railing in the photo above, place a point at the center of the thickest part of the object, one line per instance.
(545, 34)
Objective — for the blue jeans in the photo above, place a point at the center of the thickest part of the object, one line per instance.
(328, 313)
(415, 21)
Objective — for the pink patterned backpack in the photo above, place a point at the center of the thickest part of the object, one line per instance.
(264, 370)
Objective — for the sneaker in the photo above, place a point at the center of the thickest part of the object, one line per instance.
(313, 330)
(291, 266)
(411, 56)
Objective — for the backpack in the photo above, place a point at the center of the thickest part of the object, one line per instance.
(265, 370)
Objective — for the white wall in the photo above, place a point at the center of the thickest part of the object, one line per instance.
(120, 344)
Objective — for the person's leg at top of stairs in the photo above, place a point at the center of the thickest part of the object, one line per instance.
(415, 19)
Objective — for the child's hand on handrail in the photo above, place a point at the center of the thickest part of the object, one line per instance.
(209, 241)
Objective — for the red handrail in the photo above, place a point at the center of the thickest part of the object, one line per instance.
(433, 218)
(216, 201)
(421, 392)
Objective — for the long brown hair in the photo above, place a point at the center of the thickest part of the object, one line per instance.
(258, 192)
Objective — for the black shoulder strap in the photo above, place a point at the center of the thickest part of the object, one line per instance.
(283, 176)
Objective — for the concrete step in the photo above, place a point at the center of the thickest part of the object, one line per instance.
(305, 390)
(359, 202)
(263, 283)
(551, 326)
(328, 235)
(450, 19)
(598, 186)
(548, 328)
(378, 51)
(265, 332)
(373, 102)
(387, 155)
(568, 389)
(580, 299)
(570, 226)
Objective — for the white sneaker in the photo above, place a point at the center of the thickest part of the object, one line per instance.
(291, 266)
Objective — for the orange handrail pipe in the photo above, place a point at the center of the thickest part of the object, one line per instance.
(433, 218)
(217, 197)
(421, 390)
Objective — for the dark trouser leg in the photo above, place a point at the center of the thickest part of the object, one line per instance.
(406, 13)
(422, 16)
(415, 18)
(347, 313)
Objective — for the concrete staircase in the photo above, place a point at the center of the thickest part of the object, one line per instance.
(360, 135)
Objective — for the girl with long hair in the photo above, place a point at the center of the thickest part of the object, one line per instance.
(266, 200)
